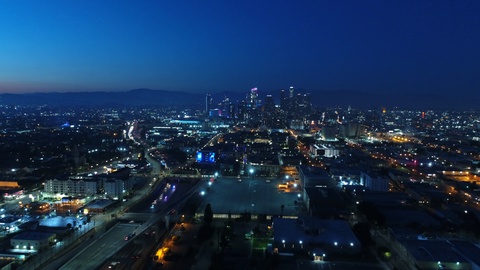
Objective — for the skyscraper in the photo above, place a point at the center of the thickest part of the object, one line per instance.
(226, 108)
(231, 111)
(307, 101)
(208, 103)
(241, 111)
(269, 106)
(283, 100)
(254, 97)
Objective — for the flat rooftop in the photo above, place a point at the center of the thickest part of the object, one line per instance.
(32, 235)
(250, 195)
(432, 250)
(99, 204)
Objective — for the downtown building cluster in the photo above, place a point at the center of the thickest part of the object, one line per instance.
(254, 110)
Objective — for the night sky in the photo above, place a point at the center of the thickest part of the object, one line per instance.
(211, 46)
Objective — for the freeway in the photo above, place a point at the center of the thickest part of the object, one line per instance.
(101, 223)
(103, 247)
(93, 253)
(108, 244)
(135, 254)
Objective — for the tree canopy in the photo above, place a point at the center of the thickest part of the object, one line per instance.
(208, 214)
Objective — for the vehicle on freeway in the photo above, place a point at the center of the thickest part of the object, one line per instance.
(113, 265)
(130, 236)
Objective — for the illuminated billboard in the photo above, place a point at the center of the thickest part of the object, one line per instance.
(205, 157)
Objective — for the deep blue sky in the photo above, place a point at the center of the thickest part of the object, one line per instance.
(210, 46)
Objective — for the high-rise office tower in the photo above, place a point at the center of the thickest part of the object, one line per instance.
(241, 111)
(269, 106)
(254, 97)
(283, 100)
(208, 103)
(226, 107)
(268, 111)
(291, 106)
(231, 110)
(307, 101)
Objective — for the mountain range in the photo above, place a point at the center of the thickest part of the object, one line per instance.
(148, 97)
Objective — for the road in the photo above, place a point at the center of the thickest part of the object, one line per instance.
(114, 240)
(100, 222)
(135, 254)
(104, 247)
(95, 254)
(307, 265)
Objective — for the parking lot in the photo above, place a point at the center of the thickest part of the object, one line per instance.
(252, 195)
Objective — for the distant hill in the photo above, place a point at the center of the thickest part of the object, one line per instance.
(142, 97)
(133, 97)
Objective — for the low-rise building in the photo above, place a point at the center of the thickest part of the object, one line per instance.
(435, 254)
(374, 182)
(324, 151)
(318, 237)
(9, 223)
(114, 188)
(264, 164)
(315, 177)
(31, 240)
(325, 203)
(80, 187)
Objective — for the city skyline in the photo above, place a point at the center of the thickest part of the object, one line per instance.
(380, 47)
(284, 184)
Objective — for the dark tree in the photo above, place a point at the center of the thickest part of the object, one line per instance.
(208, 214)
(372, 214)
(205, 232)
(362, 232)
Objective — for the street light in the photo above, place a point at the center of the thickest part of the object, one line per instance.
(251, 172)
